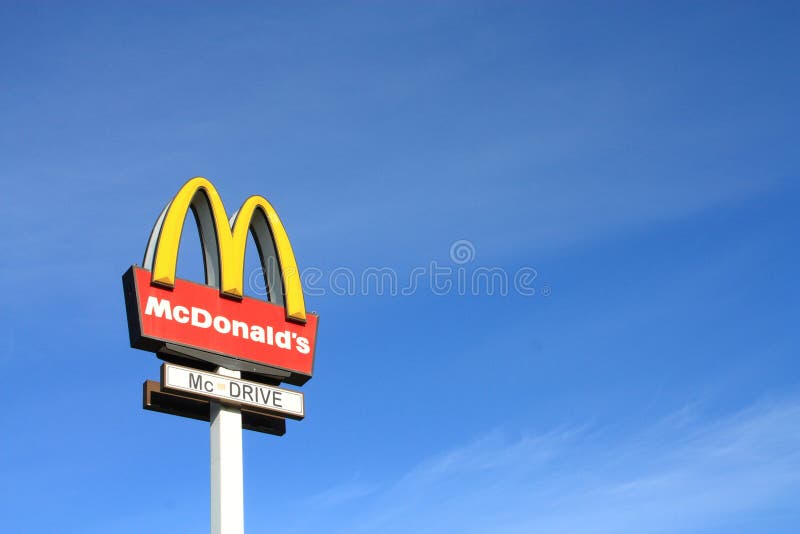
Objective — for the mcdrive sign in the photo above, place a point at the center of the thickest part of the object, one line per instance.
(215, 322)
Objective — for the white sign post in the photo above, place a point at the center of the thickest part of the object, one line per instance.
(228, 392)
(227, 480)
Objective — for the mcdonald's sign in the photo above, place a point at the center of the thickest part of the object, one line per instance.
(214, 323)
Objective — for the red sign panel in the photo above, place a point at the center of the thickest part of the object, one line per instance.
(196, 316)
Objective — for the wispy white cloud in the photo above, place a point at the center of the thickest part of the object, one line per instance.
(685, 472)
(341, 494)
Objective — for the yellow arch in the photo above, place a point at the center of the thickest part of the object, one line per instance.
(230, 242)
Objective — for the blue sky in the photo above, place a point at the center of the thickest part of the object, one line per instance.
(639, 156)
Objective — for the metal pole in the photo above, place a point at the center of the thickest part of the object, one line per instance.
(227, 491)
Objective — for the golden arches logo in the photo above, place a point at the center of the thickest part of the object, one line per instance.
(223, 242)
